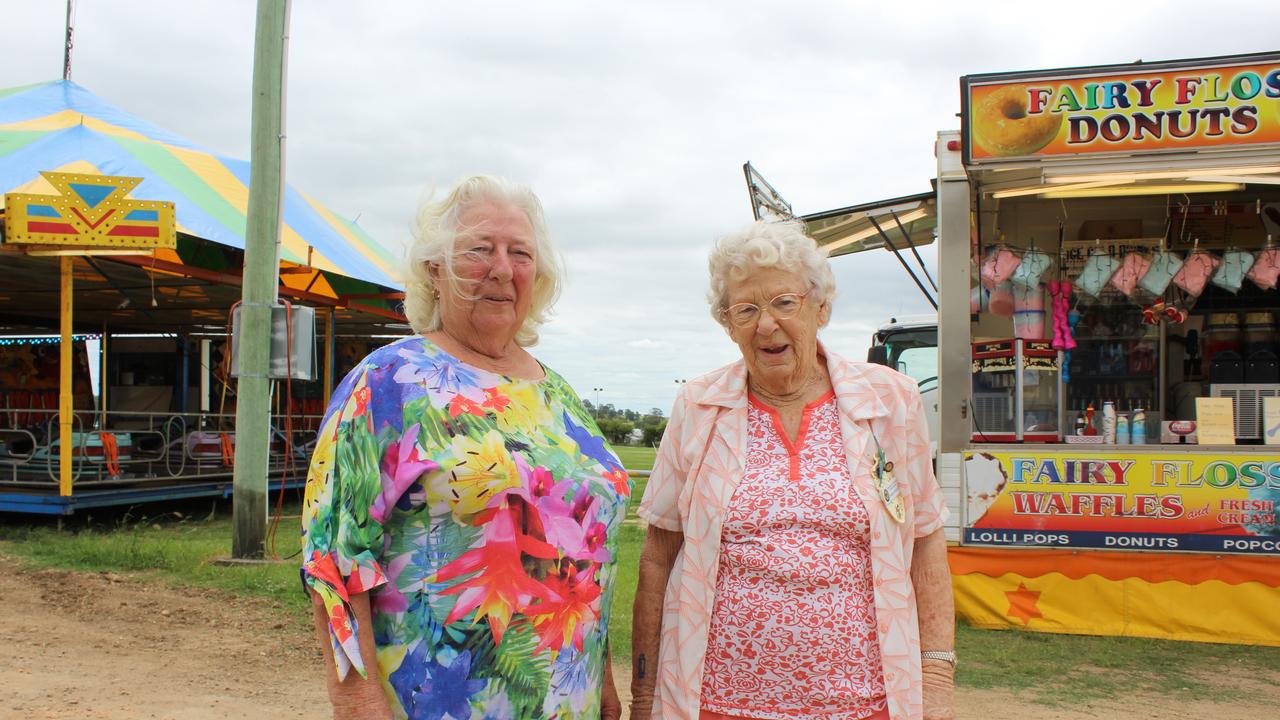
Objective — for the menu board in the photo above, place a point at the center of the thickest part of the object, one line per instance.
(1216, 421)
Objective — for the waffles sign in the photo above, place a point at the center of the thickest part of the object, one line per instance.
(89, 211)
(1201, 501)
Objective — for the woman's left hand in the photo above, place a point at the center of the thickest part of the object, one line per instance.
(610, 705)
(939, 690)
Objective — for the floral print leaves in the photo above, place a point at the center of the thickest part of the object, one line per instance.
(358, 459)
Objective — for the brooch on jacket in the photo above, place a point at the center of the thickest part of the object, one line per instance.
(887, 487)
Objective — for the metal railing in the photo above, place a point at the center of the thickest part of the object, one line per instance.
(149, 447)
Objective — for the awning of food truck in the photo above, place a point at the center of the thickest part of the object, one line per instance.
(59, 126)
(864, 227)
(1173, 174)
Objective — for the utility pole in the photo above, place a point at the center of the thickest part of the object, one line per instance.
(66, 48)
(261, 280)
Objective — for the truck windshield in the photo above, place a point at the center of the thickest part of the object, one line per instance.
(915, 354)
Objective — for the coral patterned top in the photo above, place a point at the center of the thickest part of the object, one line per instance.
(793, 632)
(699, 467)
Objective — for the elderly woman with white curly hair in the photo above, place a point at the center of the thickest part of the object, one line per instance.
(462, 507)
(795, 563)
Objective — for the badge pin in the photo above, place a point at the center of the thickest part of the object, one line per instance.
(890, 494)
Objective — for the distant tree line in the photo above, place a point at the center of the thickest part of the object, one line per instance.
(618, 425)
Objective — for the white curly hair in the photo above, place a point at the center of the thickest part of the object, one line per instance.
(437, 229)
(765, 244)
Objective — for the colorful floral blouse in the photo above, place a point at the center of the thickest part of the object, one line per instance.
(482, 512)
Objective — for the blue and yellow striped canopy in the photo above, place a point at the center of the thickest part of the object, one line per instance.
(59, 126)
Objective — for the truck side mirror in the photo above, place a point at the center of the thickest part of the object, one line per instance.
(878, 354)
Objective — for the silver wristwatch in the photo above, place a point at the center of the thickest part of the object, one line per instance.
(948, 655)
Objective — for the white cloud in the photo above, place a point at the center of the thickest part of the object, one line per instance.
(630, 120)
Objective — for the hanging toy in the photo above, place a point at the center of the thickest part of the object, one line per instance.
(1266, 267)
(1235, 266)
(1196, 271)
(1073, 318)
(1164, 265)
(1097, 271)
(998, 266)
(1060, 294)
(1000, 300)
(1028, 312)
(1132, 268)
(1153, 313)
(1034, 264)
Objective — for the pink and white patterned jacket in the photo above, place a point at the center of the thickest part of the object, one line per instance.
(697, 470)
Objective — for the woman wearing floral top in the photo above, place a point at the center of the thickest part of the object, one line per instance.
(462, 507)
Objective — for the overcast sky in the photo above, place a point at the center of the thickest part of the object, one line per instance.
(630, 120)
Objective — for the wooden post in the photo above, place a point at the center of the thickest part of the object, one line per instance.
(65, 409)
(261, 278)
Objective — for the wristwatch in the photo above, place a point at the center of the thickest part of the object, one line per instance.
(948, 655)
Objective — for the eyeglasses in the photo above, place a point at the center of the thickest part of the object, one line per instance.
(782, 307)
(483, 257)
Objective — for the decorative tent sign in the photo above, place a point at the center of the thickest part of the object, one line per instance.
(90, 211)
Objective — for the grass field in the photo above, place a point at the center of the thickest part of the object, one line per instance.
(176, 548)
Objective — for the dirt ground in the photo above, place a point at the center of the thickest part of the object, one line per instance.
(98, 646)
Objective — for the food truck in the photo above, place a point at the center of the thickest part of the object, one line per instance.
(1108, 434)
(1108, 255)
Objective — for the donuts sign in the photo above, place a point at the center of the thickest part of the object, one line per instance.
(1129, 108)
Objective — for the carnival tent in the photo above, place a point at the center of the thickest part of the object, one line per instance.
(60, 126)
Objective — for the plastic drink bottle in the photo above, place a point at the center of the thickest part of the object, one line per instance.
(1109, 422)
(1138, 427)
(1122, 428)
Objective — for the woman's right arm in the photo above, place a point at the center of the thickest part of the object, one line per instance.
(656, 560)
(354, 698)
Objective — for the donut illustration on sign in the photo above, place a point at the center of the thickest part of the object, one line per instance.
(1002, 126)
(984, 478)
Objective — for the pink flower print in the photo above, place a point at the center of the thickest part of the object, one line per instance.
(388, 598)
(500, 587)
(402, 465)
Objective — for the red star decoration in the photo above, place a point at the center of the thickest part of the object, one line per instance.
(1022, 604)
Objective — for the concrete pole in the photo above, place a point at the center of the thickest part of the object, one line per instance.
(261, 279)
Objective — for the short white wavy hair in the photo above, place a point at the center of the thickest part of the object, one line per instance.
(768, 244)
(437, 229)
